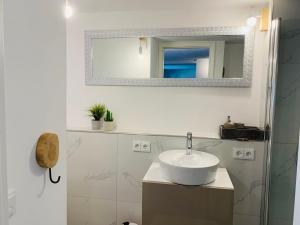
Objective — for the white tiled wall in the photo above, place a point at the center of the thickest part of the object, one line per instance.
(92, 179)
(104, 176)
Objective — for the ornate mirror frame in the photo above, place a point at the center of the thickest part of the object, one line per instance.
(245, 81)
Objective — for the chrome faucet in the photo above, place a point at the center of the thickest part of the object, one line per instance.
(189, 143)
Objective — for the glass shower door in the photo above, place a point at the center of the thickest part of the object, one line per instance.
(270, 106)
(285, 106)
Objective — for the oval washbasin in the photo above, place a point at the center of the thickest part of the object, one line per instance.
(195, 169)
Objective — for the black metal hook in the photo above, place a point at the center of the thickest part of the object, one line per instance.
(50, 175)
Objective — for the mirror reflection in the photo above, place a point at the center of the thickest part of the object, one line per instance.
(168, 57)
(186, 62)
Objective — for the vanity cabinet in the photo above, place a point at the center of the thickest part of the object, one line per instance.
(165, 203)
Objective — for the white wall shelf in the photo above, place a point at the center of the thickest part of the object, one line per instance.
(147, 132)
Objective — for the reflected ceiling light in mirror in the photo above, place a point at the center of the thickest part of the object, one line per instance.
(251, 21)
(68, 10)
(143, 41)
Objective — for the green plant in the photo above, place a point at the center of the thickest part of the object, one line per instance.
(97, 111)
(109, 116)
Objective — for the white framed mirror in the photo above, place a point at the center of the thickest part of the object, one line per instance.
(181, 57)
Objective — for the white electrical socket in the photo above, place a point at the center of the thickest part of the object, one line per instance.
(238, 153)
(136, 146)
(243, 153)
(141, 146)
(249, 154)
(145, 146)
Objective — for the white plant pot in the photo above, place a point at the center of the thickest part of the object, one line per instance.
(109, 126)
(96, 124)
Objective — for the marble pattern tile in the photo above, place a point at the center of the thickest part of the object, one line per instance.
(242, 219)
(78, 213)
(91, 211)
(114, 172)
(287, 119)
(129, 212)
(92, 165)
(289, 42)
(132, 167)
(284, 157)
(287, 107)
(102, 212)
(283, 177)
(246, 176)
(280, 222)
(288, 84)
(286, 126)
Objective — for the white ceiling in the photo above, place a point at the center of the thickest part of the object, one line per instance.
(134, 5)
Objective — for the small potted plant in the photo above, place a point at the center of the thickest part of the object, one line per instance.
(96, 112)
(109, 123)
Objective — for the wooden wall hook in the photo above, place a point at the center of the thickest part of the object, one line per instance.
(47, 152)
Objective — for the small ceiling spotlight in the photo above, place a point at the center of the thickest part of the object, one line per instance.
(68, 10)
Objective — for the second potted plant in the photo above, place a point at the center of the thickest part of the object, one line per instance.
(96, 112)
(109, 123)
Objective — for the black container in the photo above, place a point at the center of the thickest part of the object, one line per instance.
(242, 133)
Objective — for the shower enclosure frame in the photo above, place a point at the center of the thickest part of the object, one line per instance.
(3, 171)
(270, 110)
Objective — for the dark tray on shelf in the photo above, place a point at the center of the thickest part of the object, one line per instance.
(242, 133)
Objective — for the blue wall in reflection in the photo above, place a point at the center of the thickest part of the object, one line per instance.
(180, 71)
(181, 62)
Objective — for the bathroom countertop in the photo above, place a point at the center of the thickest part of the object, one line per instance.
(146, 132)
(223, 181)
(166, 133)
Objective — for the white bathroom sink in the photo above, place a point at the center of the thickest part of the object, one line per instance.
(195, 169)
